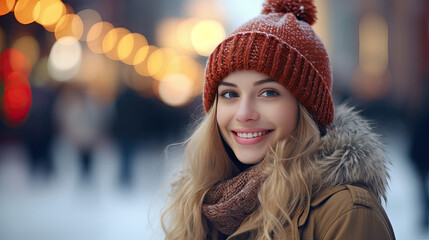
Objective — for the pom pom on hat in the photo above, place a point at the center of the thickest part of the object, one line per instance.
(303, 9)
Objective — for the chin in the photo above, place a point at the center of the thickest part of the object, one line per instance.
(249, 158)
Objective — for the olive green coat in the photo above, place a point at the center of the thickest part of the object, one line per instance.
(353, 166)
(345, 212)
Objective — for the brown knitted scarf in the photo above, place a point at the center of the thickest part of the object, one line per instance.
(229, 202)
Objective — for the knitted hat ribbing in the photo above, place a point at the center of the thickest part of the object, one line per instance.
(280, 43)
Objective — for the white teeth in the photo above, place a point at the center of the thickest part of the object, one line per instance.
(251, 135)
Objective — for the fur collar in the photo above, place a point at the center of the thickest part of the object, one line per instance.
(351, 153)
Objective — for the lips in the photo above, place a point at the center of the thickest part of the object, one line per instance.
(248, 137)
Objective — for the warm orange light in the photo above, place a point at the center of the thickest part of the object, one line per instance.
(141, 55)
(96, 35)
(206, 35)
(111, 40)
(195, 71)
(50, 12)
(190, 68)
(158, 62)
(129, 45)
(176, 90)
(27, 11)
(6, 6)
(60, 12)
(69, 25)
(29, 46)
(141, 59)
(184, 32)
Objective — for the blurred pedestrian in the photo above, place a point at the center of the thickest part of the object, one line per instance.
(81, 122)
(38, 131)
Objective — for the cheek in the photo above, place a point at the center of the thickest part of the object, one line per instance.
(222, 117)
(286, 119)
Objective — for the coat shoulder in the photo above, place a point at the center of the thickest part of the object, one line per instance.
(346, 211)
(346, 196)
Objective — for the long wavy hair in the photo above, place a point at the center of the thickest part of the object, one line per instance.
(288, 189)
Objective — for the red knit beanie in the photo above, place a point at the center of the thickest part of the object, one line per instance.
(280, 43)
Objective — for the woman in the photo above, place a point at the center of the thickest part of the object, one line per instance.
(271, 160)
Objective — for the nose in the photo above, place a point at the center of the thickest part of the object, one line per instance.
(247, 111)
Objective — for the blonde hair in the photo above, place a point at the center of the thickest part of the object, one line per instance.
(288, 188)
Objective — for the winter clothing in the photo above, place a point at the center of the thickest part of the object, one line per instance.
(354, 176)
(281, 44)
(345, 212)
(228, 203)
(350, 161)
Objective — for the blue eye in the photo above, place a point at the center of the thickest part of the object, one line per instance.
(229, 94)
(269, 93)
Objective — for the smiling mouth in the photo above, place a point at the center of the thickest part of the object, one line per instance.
(251, 135)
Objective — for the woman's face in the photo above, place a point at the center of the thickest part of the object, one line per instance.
(252, 112)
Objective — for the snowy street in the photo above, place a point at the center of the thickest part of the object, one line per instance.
(67, 207)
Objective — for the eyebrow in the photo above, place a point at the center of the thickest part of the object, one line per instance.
(260, 82)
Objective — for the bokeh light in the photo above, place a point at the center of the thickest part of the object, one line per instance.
(175, 90)
(183, 34)
(141, 55)
(65, 59)
(50, 12)
(189, 67)
(69, 25)
(206, 35)
(6, 6)
(129, 45)
(27, 11)
(111, 40)
(373, 44)
(89, 17)
(96, 36)
(157, 62)
(12, 60)
(141, 59)
(29, 46)
(17, 98)
(371, 79)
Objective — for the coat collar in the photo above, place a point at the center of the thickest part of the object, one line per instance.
(351, 153)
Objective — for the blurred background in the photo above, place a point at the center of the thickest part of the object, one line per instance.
(93, 91)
